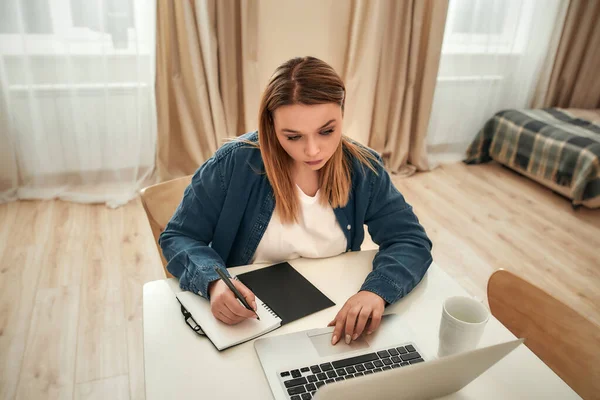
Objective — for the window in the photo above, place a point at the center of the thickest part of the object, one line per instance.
(36, 17)
(487, 26)
(101, 27)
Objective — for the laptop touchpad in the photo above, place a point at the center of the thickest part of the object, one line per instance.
(322, 344)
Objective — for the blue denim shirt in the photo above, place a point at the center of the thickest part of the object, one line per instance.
(227, 206)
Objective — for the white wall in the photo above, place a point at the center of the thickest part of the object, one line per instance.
(301, 28)
(287, 29)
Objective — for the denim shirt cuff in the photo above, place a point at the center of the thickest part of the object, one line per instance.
(198, 279)
(207, 275)
(389, 291)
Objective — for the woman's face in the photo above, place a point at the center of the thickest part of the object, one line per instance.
(309, 134)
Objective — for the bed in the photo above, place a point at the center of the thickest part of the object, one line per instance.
(559, 148)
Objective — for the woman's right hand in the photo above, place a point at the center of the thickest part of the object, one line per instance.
(225, 306)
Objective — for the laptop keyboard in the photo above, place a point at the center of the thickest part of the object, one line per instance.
(302, 383)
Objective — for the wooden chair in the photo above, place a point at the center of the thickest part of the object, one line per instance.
(563, 339)
(160, 202)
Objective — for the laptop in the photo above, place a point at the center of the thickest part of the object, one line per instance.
(387, 364)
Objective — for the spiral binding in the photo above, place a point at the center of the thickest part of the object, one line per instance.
(266, 307)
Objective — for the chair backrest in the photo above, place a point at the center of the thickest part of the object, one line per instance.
(562, 338)
(160, 202)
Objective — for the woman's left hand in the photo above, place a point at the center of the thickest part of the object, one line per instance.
(351, 320)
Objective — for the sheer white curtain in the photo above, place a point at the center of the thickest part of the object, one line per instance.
(77, 109)
(493, 54)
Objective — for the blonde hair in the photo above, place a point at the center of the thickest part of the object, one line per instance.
(308, 81)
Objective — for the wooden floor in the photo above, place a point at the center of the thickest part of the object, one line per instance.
(71, 275)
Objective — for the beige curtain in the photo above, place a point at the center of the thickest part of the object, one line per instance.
(574, 79)
(393, 53)
(200, 79)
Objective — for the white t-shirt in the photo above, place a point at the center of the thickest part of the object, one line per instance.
(317, 234)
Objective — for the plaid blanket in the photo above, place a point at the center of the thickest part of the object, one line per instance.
(551, 144)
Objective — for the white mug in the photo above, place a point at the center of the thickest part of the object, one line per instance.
(462, 324)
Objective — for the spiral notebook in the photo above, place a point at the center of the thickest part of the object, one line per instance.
(282, 295)
(221, 334)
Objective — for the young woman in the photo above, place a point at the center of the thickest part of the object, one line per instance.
(296, 188)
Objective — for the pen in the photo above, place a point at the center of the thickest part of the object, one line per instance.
(231, 286)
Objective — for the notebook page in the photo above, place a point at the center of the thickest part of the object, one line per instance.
(221, 334)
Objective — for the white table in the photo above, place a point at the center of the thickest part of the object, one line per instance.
(179, 364)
